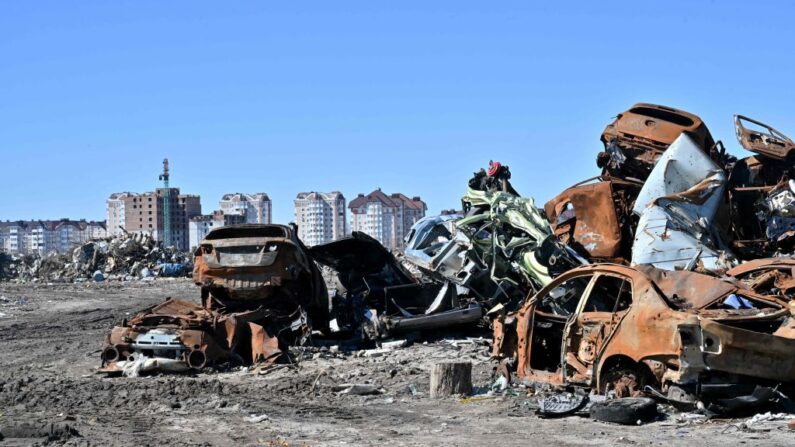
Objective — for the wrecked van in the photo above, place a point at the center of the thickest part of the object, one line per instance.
(627, 330)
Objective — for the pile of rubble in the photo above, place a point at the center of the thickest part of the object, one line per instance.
(125, 257)
(669, 275)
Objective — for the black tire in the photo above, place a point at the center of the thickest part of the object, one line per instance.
(627, 411)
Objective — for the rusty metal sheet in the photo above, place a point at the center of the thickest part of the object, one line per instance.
(683, 222)
(594, 218)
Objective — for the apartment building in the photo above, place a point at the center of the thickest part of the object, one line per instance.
(199, 226)
(387, 218)
(320, 216)
(143, 213)
(48, 236)
(256, 208)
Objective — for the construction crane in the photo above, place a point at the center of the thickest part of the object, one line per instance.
(166, 205)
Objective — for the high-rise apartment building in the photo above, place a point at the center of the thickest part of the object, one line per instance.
(387, 218)
(320, 216)
(143, 213)
(256, 208)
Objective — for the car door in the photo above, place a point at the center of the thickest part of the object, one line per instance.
(600, 311)
(541, 334)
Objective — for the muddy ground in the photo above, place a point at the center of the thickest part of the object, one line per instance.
(50, 340)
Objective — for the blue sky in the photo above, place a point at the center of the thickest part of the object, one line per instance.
(407, 96)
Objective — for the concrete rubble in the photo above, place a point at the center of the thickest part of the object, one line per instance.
(126, 257)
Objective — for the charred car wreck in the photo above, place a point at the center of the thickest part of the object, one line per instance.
(260, 291)
(678, 334)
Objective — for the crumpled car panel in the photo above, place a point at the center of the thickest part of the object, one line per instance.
(680, 225)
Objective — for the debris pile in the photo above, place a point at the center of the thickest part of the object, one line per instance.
(670, 275)
(125, 257)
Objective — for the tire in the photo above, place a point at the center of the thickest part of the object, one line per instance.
(627, 411)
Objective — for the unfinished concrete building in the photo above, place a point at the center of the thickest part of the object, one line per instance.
(143, 213)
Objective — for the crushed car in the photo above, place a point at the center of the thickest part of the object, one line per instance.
(637, 138)
(595, 218)
(495, 251)
(260, 292)
(375, 296)
(626, 330)
(762, 192)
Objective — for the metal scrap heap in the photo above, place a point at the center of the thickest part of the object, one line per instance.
(669, 274)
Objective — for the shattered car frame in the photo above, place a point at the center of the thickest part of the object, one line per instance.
(637, 138)
(617, 328)
(595, 218)
(377, 296)
(179, 335)
(260, 291)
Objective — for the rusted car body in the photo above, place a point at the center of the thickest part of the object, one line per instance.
(761, 191)
(260, 291)
(247, 267)
(378, 297)
(179, 335)
(768, 276)
(611, 327)
(595, 218)
(637, 137)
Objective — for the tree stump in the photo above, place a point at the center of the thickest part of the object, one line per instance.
(451, 378)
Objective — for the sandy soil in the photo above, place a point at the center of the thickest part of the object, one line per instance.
(50, 340)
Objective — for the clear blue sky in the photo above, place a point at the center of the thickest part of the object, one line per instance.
(409, 96)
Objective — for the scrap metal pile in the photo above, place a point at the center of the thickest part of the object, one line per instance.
(124, 257)
(670, 275)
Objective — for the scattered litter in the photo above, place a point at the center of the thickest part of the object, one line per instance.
(357, 389)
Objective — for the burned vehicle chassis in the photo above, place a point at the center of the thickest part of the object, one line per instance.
(623, 330)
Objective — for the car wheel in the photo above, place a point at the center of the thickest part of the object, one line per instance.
(627, 411)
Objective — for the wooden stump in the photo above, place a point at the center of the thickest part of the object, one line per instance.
(451, 378)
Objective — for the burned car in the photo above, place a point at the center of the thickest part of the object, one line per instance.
(636, 139)
(762, 191)
(247, 267)
(376, 297)
(768, 276)
(260, 292)
(178, 335)
(678, 334)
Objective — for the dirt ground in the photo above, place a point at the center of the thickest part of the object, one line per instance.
(50, 340)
